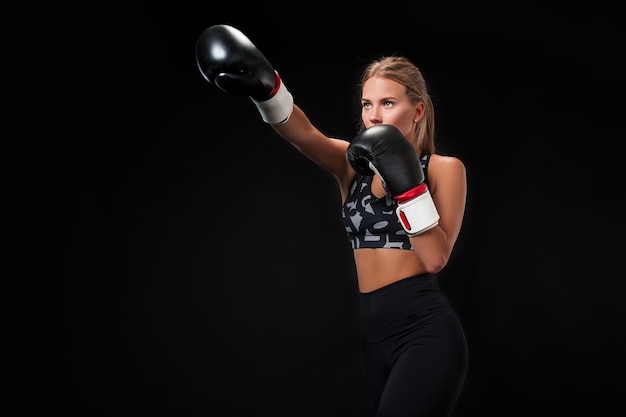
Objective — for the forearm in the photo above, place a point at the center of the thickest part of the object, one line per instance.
(432, 248)
(297, 129)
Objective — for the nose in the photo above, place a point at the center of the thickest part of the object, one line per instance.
(375, 115)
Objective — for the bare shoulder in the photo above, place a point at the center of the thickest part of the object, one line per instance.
(443, 164)
(446, 171)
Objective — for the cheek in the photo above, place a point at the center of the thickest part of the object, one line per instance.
(366, 119)
(405, 125)
(409, 131)
(402, 120)
(409, 128)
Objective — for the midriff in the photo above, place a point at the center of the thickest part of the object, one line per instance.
(379, 267)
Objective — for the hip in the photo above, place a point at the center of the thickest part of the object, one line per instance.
(405, 305)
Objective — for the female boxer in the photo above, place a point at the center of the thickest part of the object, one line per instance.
(403, 205)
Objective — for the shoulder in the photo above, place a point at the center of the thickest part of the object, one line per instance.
(444, 163)
(445, 169)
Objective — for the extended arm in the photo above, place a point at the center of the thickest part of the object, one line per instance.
(229, 60)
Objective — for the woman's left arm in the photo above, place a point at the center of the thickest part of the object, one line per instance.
(448, 187)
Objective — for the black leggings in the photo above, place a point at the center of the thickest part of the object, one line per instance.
(414, 348)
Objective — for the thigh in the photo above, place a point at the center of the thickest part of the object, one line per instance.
(376, 366)
(427, 374)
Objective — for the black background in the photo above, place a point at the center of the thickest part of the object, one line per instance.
(194, 264)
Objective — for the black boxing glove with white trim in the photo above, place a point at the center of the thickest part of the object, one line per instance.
(384, 151)
(229, 60)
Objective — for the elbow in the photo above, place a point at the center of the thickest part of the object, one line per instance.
(435, 264)
(432, 249)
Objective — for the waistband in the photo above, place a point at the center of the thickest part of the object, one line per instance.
(414, 281)
(399, 306)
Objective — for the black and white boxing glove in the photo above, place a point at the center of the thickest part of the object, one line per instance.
(230, 61)
(384, 151)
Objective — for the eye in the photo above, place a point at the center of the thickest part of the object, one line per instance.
(366, 105)
(388, 104)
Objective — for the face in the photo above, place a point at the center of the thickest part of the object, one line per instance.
(384, 101)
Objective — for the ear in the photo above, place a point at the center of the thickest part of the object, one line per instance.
(419, 111)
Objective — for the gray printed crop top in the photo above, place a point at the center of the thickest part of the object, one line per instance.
(371, 222)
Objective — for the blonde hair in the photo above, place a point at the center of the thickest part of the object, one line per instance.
(401, 70)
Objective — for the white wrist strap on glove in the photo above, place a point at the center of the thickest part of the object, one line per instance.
(418, 214)
(278, 108)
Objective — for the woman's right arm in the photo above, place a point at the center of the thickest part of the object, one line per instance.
(229, 60)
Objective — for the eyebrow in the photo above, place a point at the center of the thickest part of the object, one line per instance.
(382, 99)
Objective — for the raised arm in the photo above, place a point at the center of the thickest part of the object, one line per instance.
(229, 60)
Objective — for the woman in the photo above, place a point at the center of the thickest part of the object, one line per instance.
(415, 351)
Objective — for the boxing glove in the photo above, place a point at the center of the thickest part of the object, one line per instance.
(229, 60)
(384, 151)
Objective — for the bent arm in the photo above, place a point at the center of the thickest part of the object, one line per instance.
(448, 184)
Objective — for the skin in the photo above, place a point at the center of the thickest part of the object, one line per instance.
(385, 101)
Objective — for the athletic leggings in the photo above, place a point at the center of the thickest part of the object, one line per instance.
(414, 349)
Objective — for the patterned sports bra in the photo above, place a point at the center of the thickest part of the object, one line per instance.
(371, 222)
